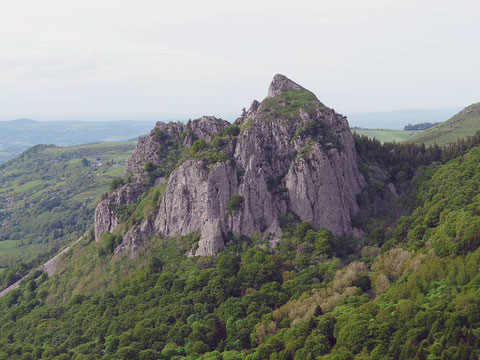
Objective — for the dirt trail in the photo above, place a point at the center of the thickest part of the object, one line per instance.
(48, 267)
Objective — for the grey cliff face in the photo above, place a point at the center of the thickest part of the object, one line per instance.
(292, 155)
(196, 200)
(105, 217)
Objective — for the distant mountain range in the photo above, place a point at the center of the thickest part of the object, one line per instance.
(19, 135)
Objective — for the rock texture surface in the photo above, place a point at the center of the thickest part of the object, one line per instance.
(280, 84)
(206, 128)
(292, 155)
(147, 149)
(106, 218)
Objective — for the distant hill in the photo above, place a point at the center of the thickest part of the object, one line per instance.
(398, 119)
(19, 135)
(385, 135)
(465, 123)
(48, 194)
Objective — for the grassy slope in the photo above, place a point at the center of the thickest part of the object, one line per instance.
(465, 123)
(47, 190)
(385, 135)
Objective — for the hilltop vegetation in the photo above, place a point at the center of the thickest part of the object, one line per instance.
(462, 125)
(48, 196)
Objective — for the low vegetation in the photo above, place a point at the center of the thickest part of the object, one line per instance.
(288, 103)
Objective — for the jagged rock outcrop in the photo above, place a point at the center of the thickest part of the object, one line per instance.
(291, 155)
(106, 218)
(151, 149)
(147, 149)
(206, 128)
(280, 84)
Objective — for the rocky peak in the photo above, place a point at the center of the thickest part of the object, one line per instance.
(281, 83)
(290, 154)
(206, 128)
(170, 129)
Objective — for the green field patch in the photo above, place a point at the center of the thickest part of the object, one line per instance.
(385, 135)
(7, 244)
(29, 186)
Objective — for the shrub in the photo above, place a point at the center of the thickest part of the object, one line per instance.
(219, 142)
(199, 145)
(108, 243)
(149, 167)
(235, 203)
(159, 135)
(116, 183)
(232, 130)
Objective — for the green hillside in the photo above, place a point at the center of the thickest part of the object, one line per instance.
(407, 289)
(48, 195)
(385, 135)
(465, 123)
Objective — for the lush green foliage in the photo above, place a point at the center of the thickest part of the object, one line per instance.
(47, 198)
(447, 217)
(232, 130)
(234, 203)
(420, 126)
(246, 304)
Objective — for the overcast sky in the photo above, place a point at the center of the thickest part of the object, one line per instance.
(141, 58)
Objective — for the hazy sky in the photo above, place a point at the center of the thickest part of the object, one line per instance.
(138, 58)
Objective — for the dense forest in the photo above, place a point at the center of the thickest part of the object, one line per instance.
(420, 126)
(407, 289)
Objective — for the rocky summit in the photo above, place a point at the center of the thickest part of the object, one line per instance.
(287, 156)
